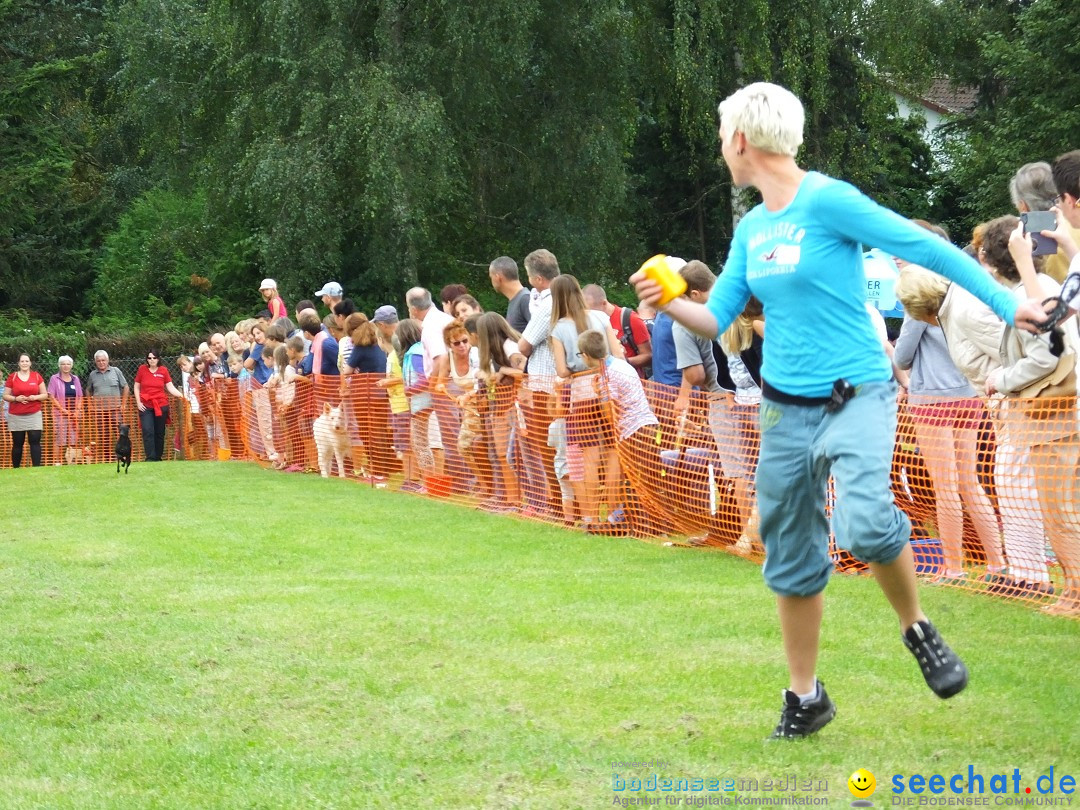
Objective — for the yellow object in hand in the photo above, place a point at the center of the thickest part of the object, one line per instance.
(671, 283)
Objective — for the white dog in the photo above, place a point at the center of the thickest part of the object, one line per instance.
(331, 440)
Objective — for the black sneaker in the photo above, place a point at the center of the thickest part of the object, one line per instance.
(803, 718)
(945, 673)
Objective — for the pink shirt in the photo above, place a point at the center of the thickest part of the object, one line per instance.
(316, 353)
(277, 308)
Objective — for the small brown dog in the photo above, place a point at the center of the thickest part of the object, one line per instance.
(78, 455)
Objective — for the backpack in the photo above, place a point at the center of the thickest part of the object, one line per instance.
(627, 339)
(628, 342)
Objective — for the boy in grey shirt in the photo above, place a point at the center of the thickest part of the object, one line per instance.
(695, 358)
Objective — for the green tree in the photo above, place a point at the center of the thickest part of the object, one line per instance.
(166, 265)
(389, 142)
(1031, 111)
(840, 57)
(49, 185)
(386, 143)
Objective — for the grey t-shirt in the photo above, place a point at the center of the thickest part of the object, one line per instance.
(517, 311)
(694, 350)
(106, 386)
(567, 334)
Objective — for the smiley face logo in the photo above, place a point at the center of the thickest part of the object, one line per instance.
(861, 783)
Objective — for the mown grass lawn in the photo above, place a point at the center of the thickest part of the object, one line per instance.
(218, 635)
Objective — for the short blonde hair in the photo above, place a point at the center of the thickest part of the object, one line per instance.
(921, 292)
(593, 344)
(770, 116)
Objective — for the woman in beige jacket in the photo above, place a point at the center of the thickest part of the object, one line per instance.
(974, 338)
(1051, 431)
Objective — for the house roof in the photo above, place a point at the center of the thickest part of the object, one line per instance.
(943, 96)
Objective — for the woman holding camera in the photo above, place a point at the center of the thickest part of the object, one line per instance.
(1048, 424)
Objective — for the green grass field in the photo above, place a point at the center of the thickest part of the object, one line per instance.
(218, 635)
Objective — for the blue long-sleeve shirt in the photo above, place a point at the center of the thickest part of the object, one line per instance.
(804, 263)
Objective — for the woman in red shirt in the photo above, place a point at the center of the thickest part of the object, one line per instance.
(25, 391)
(152, 387)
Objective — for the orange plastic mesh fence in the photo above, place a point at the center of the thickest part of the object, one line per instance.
(991, 487)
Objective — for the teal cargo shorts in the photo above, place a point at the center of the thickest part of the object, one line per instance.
(801, 446)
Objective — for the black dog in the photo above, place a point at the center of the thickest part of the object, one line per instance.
(123, 449)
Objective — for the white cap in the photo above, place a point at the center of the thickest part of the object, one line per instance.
(331, 288)
(675, 263)
(268, 284)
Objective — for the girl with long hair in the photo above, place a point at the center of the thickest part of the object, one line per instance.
(501, 368)
(407, 337)
(590, 436)
(742, 346)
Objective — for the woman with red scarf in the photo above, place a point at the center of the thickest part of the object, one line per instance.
(152, 387)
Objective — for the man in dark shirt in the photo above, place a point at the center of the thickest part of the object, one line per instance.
(506, 280)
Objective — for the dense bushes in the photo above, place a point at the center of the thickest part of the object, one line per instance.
(46, 342)
(167, 263)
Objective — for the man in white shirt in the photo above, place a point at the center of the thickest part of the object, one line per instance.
(432, 322)
(538, 401)
(436, 366)
(629, 327)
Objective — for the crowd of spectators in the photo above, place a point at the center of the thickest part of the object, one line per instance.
(957, 348)
(548, 408)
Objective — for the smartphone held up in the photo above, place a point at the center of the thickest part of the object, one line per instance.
(1034, 223)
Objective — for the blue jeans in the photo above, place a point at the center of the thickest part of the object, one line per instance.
(153, 432)
(800, 447)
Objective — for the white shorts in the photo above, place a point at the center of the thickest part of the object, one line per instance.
(434, 435)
